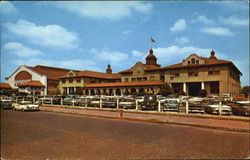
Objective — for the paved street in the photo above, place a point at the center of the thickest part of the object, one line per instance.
(42, 135)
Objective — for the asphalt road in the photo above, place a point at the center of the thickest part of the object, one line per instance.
(46, 135)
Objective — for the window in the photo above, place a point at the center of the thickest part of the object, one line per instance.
(214, 87)
(64, 81)
(144, 78)
(126, 79)
(92, 80)
(133, 79)
(197, 61)
(78, 80)
(213, 71)
(193, 73)
(188, 62)
(174, 74)
(139, 79)
(152, 78)
(193, 61)
(71, 80)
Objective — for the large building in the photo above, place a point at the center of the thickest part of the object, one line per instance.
(216, 76)
(191, 75)
(38, 80)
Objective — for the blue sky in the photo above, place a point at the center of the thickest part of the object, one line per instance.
(90, 35)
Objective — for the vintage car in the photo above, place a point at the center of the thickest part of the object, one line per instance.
(149, 102)
(127, 103)
(240, 97)
(109, 102)
(25, 106)
(213, 107)
(171, 105)
(241, 108)
(69, 100)
(95, 101)
(196, 107)
(6, 102)
(82, 101)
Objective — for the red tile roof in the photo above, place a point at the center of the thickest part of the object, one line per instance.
(31, 84)
(95, 75)
(124, 84)
(51, 72)
(5, 85)
(208, 62)
(149, 68)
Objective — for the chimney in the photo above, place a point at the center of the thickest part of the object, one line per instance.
(109, 70)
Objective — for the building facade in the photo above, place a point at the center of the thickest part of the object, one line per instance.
(191, 75)
(38, 80)
(216, 76)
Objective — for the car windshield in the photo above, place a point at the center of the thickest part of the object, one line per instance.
(25, 102)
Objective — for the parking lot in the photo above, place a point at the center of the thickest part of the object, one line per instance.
(46, 135)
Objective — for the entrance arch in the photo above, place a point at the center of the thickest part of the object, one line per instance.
(118, 91)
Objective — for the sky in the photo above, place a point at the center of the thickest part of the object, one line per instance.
(89, 35)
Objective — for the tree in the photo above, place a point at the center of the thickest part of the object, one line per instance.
(202, 93)
(165, 90)
(246, 90)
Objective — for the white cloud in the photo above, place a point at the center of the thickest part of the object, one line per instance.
(7, 7)
(136, 53)
(234, 20)
(182, 40)
(50, 35)
(126, 32)
(165, 55)
(178, 25)
(203, 19)
(20, 50)
(105, 10)
(71, 64)
(113, 57)
(219, 31)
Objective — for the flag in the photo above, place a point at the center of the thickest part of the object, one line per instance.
(152, 40)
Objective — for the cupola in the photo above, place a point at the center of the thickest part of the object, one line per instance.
(151, 59)
(109, 70)
(212, 55)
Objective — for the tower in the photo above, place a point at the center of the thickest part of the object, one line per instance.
(151, 59)
(109, 70)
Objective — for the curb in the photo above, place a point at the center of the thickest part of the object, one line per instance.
(155, 121)
(192, 115)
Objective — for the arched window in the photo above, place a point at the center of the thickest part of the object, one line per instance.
(193, 61)
(118, 91)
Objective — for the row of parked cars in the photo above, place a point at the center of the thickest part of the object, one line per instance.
(18, 103)
(210, 105)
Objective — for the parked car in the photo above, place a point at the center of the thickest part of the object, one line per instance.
(82, 101)
(127, 103)
(149, 102)
(240, 97)
(214, 108)
(196, 107)
(171, 105)
(227, 97)
(241, 108)
(6, 102)
(109, 102)
(25, 106)
(94, 101)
